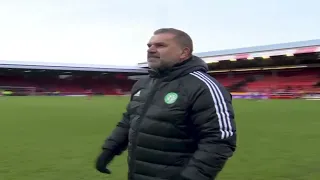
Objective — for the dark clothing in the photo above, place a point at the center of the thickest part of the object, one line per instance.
(188, 134)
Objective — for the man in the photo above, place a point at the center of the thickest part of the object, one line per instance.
(179, 123)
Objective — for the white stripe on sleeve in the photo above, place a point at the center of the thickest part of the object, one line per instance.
(219, 103)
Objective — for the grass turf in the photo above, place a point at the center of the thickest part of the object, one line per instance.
(56, 138)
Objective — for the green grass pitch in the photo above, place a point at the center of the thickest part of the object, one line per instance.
(58, 138)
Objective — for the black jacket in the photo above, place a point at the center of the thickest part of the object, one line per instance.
(179, 124)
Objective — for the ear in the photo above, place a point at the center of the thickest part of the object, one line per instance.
(185, 53)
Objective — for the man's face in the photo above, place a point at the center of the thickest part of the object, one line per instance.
(163, 51)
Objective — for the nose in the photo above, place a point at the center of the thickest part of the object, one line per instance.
(152, 49)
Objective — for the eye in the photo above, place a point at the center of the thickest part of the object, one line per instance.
(160, 45)
(157, 45)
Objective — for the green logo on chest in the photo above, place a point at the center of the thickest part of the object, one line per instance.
(170, 98)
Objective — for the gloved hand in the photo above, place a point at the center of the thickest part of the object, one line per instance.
(103, 160)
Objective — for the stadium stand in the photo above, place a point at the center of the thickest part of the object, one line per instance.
(292, 79)
(66, 80)
(287, 70)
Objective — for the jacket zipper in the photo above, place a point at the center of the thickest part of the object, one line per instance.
(139, 121)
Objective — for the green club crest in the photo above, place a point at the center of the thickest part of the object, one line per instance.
(170, 98)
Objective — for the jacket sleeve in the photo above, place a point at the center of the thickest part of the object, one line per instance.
(117, 142)
(212, 116)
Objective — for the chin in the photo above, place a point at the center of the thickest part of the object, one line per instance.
(153, 65)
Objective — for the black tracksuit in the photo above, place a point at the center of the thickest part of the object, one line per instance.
(179, 124)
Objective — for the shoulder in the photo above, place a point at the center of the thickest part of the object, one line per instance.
(202, 83)
(140, 84)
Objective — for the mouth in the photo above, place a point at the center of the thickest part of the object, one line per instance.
(152, 58)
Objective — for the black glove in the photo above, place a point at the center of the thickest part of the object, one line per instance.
(103, 160)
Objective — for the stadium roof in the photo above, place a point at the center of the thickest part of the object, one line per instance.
(264, 48)
(68, 66)
(288, 49)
